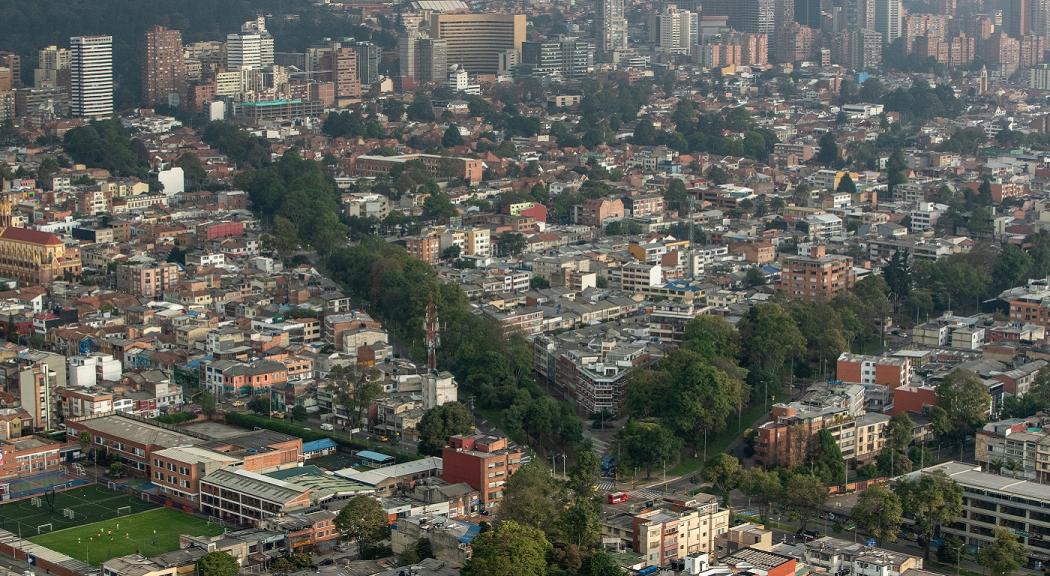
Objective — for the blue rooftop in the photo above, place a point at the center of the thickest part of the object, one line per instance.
(682, 285)
(318, 445)
(373, 456)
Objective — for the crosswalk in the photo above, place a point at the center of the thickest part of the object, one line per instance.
(646, 493)
(600, 447)
(604, 485)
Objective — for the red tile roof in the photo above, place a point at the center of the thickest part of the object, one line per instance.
(29, 236)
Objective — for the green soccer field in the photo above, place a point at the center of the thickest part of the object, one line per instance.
(88, 504)
(148, 533)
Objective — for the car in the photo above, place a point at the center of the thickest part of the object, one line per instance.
(807, 535)
(382, 438)
(237, 403)
(327, 426)
(278, 415)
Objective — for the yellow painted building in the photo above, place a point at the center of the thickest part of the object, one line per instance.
(31, 256)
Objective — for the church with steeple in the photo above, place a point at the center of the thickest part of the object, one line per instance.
(31, 256)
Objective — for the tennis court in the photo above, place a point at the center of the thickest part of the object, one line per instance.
(86, 505)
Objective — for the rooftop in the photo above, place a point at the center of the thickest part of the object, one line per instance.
(259, 485)
(137, 431)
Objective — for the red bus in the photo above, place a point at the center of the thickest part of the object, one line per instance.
(618, 497)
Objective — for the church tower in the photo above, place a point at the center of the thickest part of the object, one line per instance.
(5, 211)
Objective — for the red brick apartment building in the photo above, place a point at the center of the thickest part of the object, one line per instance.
(483, 462)
(881, 370)
(818, 277)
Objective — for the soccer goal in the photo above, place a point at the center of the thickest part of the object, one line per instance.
(68, 513)
(112, 486)
(123, 510)
(40, 528)
(36, 501)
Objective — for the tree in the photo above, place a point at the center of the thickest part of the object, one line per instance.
(438, 206)
(676, 196)
(712, 337)
(299, 413)
(533, 498)
(259, 405)
(452, 137)
(511, 243)
(192, 170)
(933, 500)
(826, 459)
(804, 496)
(363, 520)
(878, 512)
(846, 184)
(646, 445)
(717, 175)
(771, 337)
(724, 473)
(440, 422)
(829, 151)
(208, 404)
(600, 563)
(896, 170)
(421, 109)
(218, 564)
(754, 277)
(84, 439)
(539, 283)
(962, 404)
(46, 171)
(761, 484)
(899, 432)
(705, 396)
(583, 476)
(116, 469)
(1004, 555)
(897, 274)
(510, 549)
(644, 133)
(452, 252)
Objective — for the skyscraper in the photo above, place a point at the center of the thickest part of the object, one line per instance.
(888, 19)
(13, 62)
(431, 60)
(368, 57)
(475, 41)
(52, 68)
(807, 13)
(91, 76)
(343, 64)
(163, 71)
(251, 48)
(407, 47)
(610, 26)
(678, 30)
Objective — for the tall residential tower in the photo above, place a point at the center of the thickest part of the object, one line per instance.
(91, 76)
(610, 26)
(163, 70)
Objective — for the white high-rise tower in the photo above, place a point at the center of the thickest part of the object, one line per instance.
(91, 76)
(610, 26)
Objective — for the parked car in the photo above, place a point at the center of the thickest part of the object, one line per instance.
(807, 535)
(327, 426)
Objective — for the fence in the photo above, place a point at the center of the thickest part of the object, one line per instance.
(858, 486)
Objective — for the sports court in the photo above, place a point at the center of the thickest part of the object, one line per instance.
(74, 507)
(28, 485)
(148, 533)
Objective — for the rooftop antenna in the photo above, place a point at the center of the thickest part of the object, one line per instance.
(433, 335)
